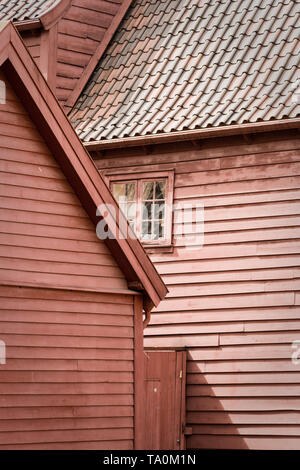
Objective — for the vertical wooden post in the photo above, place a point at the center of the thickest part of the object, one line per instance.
(183, 401)
(179, 409)
(139, 412)
(48, 56)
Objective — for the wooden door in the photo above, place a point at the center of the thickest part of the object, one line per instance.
(165, 373)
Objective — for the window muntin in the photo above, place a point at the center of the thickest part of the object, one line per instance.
(126, 196)
(153, 210)
(145, 204)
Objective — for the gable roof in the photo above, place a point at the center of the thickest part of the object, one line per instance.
(43, 108)
(177, 65)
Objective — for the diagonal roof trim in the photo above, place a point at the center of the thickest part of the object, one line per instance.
(195, 134)
(75, 162)
(98, 54)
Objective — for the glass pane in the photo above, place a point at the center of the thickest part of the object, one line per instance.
(160, 190)
(132, 224)
(119, 191)
(146, 230)
(130, 191)
(161, 229)
(155, 230)
(158, 229)
(147, 210)
(123, 207)
(148, 190)
(159, 210)
(131, 210)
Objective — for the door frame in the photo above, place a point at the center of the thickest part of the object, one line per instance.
(179, 392)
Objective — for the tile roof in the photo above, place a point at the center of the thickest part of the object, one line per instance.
(17, 10)
(185, 64)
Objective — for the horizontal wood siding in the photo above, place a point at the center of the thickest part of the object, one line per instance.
(68, 378)
(235, 302)
(32, 40)
(80, 31)
(45, 234)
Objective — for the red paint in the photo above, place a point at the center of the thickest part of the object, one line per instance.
(164, 411)
(234, 303)
(72, 327)
(73, 36)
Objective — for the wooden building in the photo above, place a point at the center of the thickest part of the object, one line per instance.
(65, 37)
(194, 105)
(71, 315)
(203, 97)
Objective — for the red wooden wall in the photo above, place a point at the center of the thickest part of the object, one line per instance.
(234, 303)
(70, 325)
(32, 40)
(51, 239)
(80, 31)
(68, 378)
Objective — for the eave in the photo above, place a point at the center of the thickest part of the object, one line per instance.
(196, 134)
(46, 20)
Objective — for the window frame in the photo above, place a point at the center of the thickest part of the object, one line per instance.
(140, 177)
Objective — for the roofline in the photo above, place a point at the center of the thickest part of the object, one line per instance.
(73, 97)
(75, 162)
(54, 13)
(46, 20)
(26, 25)
(195, 134)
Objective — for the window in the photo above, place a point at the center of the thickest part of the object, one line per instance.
(147, 203)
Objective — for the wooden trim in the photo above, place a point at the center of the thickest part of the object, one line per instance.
(183, 355)
(126, 175)
(52, 15)
(112, 176)
(139, 411)
(48, 55)
(27, 25)
(98, 54)
(52, 59)
(46, 20)
(196, 134)
(101, 290)
(75, 162)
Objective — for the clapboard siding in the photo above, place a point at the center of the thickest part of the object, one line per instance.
(45, 235)
(80, 31)
(68, 378)
(234, 303)
(32, 40)
(64, 51)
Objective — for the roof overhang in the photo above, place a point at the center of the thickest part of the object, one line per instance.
(28, 25)
(195, 134)
(78, 167)
(47, 19)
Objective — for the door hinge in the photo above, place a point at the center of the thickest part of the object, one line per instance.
(180, 374)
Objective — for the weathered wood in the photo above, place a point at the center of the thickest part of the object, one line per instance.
(124, 444)
(72, 367)
(244, 442)
(240, 289)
